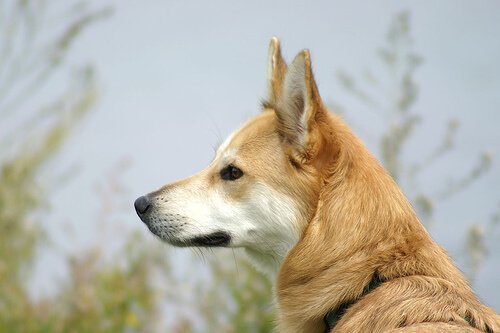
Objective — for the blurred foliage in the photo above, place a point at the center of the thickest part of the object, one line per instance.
(393, 94)
(20, 193)
(231, 297)
(249, 294)
(98, 296)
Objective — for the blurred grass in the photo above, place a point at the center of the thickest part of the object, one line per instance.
(98, 297)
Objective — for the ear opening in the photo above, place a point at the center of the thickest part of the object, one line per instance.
(299, 105)
(276, 70)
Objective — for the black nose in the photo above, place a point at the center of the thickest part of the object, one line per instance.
(142, 205)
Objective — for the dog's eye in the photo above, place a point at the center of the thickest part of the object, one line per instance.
(231, 173)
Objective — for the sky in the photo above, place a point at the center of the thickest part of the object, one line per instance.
(176, 77)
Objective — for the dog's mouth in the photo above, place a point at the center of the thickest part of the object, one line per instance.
(170, 234)
(218, 238)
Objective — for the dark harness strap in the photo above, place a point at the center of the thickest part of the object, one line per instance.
(332, 318)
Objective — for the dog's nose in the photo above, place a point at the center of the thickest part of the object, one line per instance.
(142, 205)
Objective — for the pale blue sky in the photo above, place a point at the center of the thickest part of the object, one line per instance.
(177, 76)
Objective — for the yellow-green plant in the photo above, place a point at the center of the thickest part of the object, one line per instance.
(99, 296)
(34, 135)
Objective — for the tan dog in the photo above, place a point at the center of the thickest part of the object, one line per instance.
(315, 210)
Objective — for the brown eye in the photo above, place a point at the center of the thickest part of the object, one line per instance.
(231, 173)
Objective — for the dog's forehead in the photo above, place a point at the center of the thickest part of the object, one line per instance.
(253, 135)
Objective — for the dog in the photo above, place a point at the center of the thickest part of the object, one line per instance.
(317, 212)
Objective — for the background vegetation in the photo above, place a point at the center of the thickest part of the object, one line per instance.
(125, 291)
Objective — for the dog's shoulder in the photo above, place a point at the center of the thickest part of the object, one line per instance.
(412, 301)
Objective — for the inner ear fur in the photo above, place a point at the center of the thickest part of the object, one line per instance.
(300, 108)
(276, 70)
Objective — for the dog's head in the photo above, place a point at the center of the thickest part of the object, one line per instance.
(262, 187)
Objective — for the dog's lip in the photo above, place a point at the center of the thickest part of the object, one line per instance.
(218, 238)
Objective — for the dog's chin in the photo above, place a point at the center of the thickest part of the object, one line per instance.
(215, 239)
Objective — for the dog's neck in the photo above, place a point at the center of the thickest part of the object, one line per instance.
(269, 261)
(337, 254)
(264, 262)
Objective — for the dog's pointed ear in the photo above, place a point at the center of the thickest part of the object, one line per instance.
(276, 70)
(300, 108)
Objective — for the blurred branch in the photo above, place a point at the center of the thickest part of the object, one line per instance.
(26, 148)
(400, 91)
(444, 147)
(495, 216)
(424, 206)
(349, 84)
(18, 35)
(457, 185)
(393, 141)
(475, 249)
(30, 69)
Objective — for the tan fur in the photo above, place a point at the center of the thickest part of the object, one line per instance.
(360, 225)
